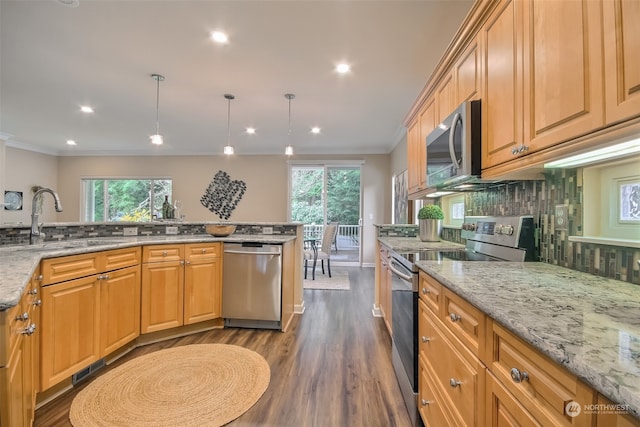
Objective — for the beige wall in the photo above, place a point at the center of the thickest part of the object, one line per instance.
(266, 178)
(22, 170)
(398, 157)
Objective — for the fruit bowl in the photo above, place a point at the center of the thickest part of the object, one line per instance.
(220, 230)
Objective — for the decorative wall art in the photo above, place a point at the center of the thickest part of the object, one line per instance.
(13, 200)
(223, 195)
(400, 198)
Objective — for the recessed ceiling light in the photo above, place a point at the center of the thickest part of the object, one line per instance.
(343, 68)
(219, 37)
(315, 130)
(86, 109)
(251, 131)
(71, 142)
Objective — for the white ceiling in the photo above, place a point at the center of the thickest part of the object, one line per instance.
(54, 58)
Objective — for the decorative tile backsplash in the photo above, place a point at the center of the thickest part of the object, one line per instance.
(19, 235)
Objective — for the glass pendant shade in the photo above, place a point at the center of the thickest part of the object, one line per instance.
(157, 138)
(288, 150)
(228, 149)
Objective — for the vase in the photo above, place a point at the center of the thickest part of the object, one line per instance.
(430, 229)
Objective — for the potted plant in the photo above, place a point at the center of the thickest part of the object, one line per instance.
(430, 221)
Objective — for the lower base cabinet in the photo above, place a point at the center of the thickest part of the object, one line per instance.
(503, 410)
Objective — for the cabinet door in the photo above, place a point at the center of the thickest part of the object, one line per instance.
(467, 74)
(502, 103)
(119, 308)
(202, 290)
(430, 405)
(12, 390)
(427, 120)
(413, 157)
(622, 61)
(563, 71)
(503, 410)
(120, 258)
(445, 98)
(162, 296)
(70, 336)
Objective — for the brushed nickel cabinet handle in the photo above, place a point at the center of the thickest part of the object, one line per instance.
(518, 376)
(425, 402)
(425, 339)
(455, 317)
(454, 383)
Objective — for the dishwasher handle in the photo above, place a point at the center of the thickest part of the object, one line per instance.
(229, 251)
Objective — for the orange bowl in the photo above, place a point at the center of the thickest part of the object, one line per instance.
(220, 230)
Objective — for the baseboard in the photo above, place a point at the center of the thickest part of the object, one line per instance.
(376, 311)
(299, 308)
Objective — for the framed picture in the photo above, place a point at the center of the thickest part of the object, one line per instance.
(401, 198)
(629, 200)
(13, 200)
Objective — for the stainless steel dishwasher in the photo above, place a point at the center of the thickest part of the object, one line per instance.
(252, 285)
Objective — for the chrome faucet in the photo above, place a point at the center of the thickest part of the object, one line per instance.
(36, 229)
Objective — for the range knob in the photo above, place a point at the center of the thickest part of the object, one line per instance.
(507, 230)
(469, 226)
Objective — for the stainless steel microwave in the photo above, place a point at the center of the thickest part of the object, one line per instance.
(453, 148)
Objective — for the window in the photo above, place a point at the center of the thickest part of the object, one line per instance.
(124, 199)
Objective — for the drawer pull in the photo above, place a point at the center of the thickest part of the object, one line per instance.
(33, 291)
(29, 330)
(425, 402)
(37, 302)
(455, 317)
(425, 339)
(204, 251)
(24, 316)
(425, 291)
(454, 383)
(518, 376)
(165, 253)
(40, 277)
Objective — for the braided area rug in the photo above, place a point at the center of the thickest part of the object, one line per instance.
(192, 385)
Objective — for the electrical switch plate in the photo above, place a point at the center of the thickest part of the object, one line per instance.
(267, 230)
(130, 231)
(562, 217)
(171, 230)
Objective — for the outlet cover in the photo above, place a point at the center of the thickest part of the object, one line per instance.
(130, 231)
(267, 230)
(562, 217)
(171, 230)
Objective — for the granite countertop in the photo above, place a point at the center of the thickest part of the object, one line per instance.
(589, 324)
(409, 244)
(20, 261)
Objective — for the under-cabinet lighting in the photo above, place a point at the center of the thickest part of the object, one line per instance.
(606, 153)
(439, 194)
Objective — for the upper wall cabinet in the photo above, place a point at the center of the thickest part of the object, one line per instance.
(502, 92)
(622, 59)
(563, 64)
(467, 74)
(445, 102)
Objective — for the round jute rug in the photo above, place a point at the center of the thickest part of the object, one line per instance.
(193, 385)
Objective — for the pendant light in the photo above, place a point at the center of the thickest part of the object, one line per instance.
(228, 149)
(289, 149)
(157, 138)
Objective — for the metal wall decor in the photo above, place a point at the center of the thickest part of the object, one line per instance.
(223, 195)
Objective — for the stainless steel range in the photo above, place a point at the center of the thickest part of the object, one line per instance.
(487, 239)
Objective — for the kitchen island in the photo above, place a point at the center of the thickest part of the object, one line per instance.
(588, 324)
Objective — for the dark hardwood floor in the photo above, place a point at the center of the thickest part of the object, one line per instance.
(332, 368)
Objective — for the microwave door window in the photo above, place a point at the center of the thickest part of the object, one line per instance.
(439, 164)
(458, 138)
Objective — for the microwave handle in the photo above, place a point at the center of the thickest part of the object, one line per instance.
(452, 150)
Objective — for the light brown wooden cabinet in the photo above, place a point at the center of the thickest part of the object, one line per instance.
(80, 292)
(181, 285)
(607, 415)
(386, 279)
(445, 98)
(19, 333)
(622, 62)
(467, 74)
(415, 180)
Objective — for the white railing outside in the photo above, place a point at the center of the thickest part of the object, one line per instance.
(348, 235)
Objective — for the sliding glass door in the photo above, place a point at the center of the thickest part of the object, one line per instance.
(322, 194)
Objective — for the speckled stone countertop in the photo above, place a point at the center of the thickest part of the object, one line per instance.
(589, 324)
(19, 262)
(408, 244)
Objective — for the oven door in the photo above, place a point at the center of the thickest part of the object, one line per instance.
(404, 333)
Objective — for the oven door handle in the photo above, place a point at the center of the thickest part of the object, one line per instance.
(406, 277)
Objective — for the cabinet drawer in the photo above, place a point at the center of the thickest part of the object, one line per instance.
(542, 386)
(56, 270)
(457, 374)
(466, 322)
(161, 253)
(199, 251)
(121, 258)
(430, 292)
(430, 405)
